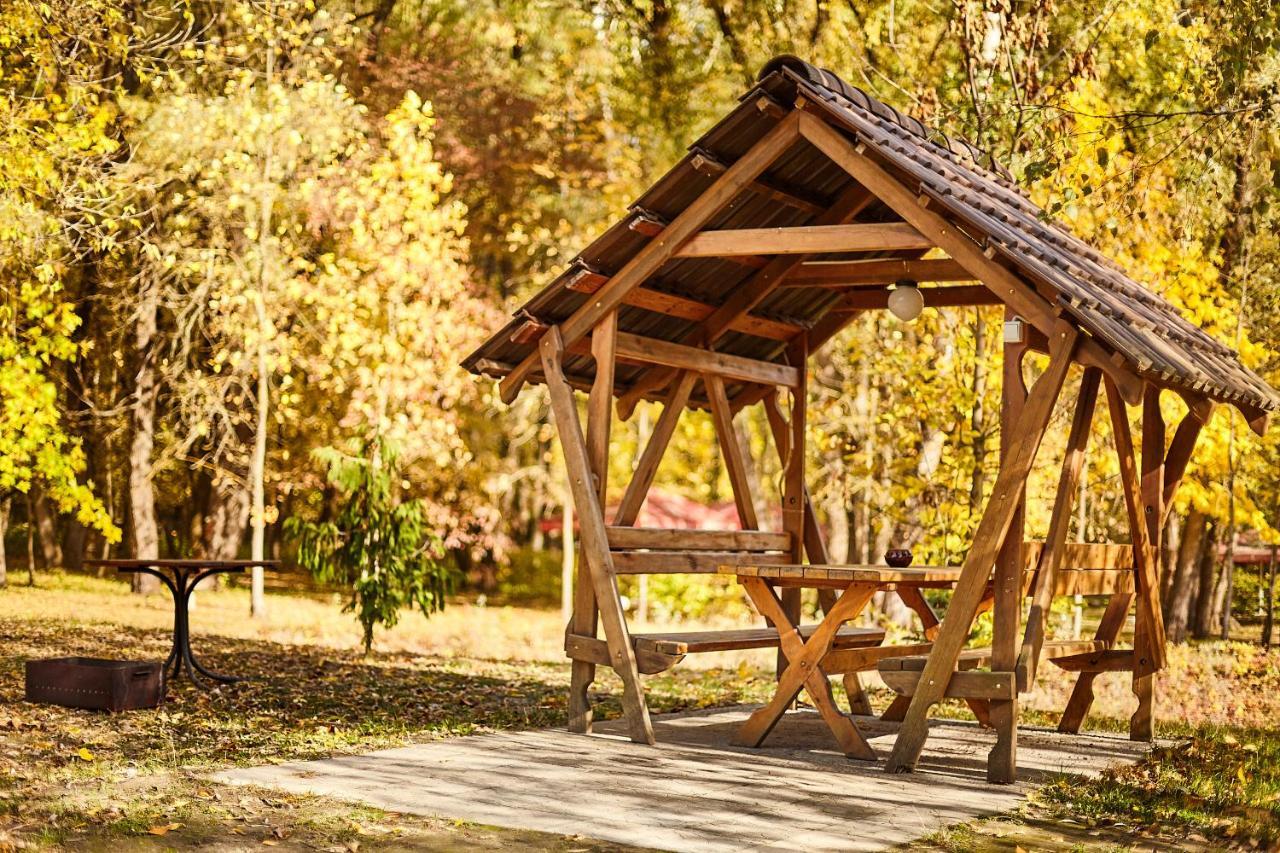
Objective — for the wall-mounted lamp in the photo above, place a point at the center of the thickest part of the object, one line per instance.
(1015, 331)
(905, 301)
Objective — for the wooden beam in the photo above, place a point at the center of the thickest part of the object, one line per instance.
(805, 240)
(1150, 620)
(1007, 579)
(1011, 289)
(590, 651)
(684, 308)
(669, 539)
(987, 541)
(647, 261)
(838, 273)
(1092, 556)
(647, 466)
(689, 562)
(727, 437)
(747, 296)
(595, 542)
(655, 351)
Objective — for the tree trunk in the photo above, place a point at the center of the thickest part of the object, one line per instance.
(1269, 622)
(258, 465)
(1171, 542)
(1208, 575)
(142, 498)
(50, 547)
(838, 536)
(227, 515)
(4, 528)
(1186, 575)
(978, 417)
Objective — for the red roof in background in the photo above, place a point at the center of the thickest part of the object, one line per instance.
(670, 510)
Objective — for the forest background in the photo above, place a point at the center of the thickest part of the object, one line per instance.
(234, 233)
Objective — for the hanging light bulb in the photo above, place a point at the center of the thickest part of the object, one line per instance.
(906, 301)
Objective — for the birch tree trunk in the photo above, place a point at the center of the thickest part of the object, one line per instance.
(142, 499)
(258, 464)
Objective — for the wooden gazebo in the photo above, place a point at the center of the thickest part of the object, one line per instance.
(807, 204)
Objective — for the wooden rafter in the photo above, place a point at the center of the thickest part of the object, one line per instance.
(746, 296)
(661, 249)
(844, 273)
(763, 185)
(661, 302)
(1011, 289)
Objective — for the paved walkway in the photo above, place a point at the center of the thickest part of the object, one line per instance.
(694, 792)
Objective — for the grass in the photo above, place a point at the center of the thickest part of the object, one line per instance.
(75, 779)
(71, 778)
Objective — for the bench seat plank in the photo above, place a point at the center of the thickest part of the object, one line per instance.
(980, 657)
(691, 642)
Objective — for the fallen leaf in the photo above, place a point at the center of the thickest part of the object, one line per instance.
(164, 828)
(85, 754)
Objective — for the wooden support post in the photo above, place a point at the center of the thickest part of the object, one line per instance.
(794, 505)
(1053, 552)
(599, 417)
(1002, 762)
(1153, 456)
(647, 467)
(987, 541)
(595, 539)
(1148, 621)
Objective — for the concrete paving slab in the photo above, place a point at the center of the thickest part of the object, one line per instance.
(694, 792)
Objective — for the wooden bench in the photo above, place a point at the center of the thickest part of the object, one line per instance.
(659, 652)
(1095, 569)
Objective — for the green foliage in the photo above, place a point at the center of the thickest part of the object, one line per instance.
(378, 545)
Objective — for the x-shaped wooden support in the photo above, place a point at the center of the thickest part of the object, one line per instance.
(804, 667)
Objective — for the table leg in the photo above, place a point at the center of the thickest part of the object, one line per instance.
(804, 668)
(189, 582)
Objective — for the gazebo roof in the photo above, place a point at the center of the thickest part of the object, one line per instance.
(957, 180)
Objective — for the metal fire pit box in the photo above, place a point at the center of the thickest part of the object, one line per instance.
(107, 685)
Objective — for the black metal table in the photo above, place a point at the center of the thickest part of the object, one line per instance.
(182, 577)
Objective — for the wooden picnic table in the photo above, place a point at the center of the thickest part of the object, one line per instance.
(811, 659)
(181, 577)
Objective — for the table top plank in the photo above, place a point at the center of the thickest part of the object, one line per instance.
(183, 563)
(852, 573)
